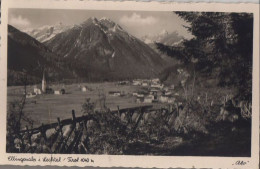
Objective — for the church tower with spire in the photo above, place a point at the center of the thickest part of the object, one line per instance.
(43, 83)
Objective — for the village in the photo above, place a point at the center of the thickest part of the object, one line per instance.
(146, 90)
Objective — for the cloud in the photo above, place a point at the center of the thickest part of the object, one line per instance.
(136, 19)
(19, 21)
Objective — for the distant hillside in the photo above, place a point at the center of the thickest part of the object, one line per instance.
(102, 50)
(26, 54)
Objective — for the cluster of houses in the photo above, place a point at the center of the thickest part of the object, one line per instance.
(126, 82)
(154, 91)
(151, 91)
(153, 83)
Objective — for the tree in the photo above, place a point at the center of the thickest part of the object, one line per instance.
(221, 48)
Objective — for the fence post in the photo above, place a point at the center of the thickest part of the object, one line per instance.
(60, 126)
(141, 113)
(29, 135)
(43, 132)
(171, 108)
(128, 115)
(73, 117)
(177, 109)
(118, 111)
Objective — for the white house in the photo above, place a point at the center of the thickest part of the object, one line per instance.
(148, 99)
(140, 95)
(137, 82)
(114, 93)
(83, 89)
(57, 92)
(159, 86)
(164, 99)
(30, 95)
(156, 80)
(37, 91)
(135, 93)
(144, 84)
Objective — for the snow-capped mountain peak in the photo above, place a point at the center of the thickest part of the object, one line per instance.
(163, 37)
(46, 32)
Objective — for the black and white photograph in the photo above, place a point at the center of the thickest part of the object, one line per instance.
(129, 82)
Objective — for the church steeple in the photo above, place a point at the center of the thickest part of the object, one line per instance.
(43, 83)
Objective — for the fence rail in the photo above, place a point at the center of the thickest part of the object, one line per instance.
(44, 127)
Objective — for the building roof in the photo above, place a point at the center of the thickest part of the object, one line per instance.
(112, 92)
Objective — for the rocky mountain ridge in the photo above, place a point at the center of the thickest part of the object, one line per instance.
(101, 49)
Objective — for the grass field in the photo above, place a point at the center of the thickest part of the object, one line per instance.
(47, 108)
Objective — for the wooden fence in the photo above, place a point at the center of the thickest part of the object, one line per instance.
(44, 127)
(68, 139)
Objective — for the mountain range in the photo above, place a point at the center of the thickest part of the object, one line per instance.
(95, 50)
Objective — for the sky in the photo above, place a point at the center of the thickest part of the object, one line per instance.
(137, 23)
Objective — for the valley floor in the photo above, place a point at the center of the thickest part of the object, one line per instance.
(48, 107)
